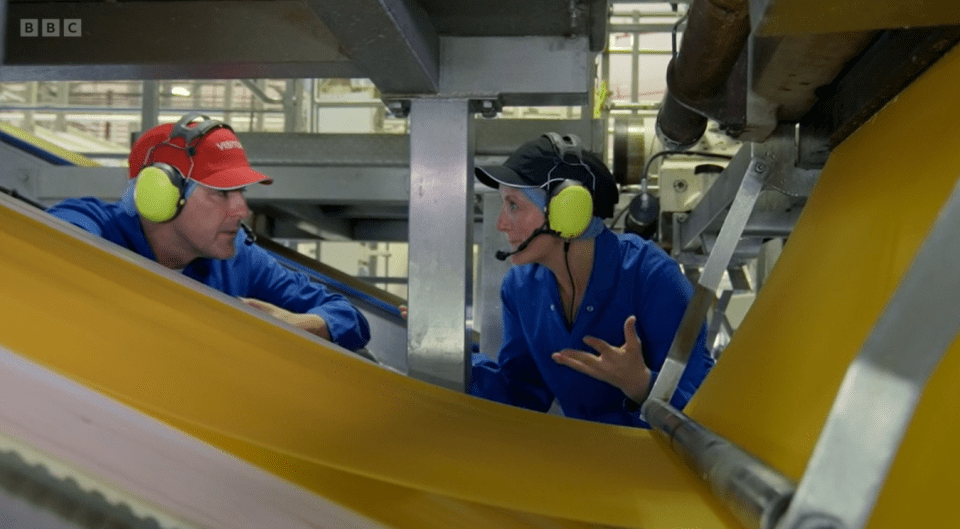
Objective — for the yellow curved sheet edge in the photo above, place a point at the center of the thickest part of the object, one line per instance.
(70, 156)
(395, 449)
(794, 17)
(875, 201)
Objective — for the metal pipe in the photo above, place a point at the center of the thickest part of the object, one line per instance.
(755, 493)
(646, 14)
(122, 110)
(646, 27)
(712, 42)
(715, 35)
(635, 65)
(640, 105)
(678, 127)
(642, 51)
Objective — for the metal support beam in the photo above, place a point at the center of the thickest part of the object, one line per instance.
(747, 248)
(261, 95)
(312, 220)
(715, 201)
(392, 41)
(518, 71)
(718, 317)
(301, 49)
(381, 230)
(293, 106)
(718, 322)
(441, 241)
(650, 27)
(706, 288)
(332, 185)
(769, 254)
(150, 111)
(491, 276)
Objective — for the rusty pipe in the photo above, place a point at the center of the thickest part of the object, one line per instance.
(712, 42)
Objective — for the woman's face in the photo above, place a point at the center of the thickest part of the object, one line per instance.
(519, 217)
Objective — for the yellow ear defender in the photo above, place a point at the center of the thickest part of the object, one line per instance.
(160, 192)
(570, 209)
(570, 206)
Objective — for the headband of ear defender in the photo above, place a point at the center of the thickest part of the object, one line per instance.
(569, 203)
(161, 189)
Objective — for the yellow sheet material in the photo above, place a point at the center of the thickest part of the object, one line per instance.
(876, 199)
(793, 17)
(393, 448)
(56, 150)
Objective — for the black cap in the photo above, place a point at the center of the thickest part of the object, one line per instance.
(529, 166)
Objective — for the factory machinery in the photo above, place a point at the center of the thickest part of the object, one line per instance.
(133, 397)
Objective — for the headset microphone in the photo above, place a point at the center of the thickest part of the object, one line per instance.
(251, 237)
(502, 255)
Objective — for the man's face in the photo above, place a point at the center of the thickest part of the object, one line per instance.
(210, 220)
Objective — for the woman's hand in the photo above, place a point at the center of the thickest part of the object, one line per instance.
(311, 323)
(622, 367)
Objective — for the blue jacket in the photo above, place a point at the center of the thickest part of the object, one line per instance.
(251, 272)
(630, 276)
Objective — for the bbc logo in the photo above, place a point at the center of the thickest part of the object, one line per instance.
(50, 27)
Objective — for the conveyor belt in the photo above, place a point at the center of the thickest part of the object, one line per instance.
(63, 497)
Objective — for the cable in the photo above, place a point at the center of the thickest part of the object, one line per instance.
(618, 215)
(573, 286)
(676, 26)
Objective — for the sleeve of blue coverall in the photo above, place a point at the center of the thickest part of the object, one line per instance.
(75, 212)
(514, 378)
(295, 292)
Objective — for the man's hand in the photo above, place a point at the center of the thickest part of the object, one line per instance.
(621, 367)
(311, 323)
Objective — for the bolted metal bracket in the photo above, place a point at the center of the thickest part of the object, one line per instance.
(488, 108)
(399, 108)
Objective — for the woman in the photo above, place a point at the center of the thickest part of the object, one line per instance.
(588, 315)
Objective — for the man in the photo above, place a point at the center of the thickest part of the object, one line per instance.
(183, 208)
